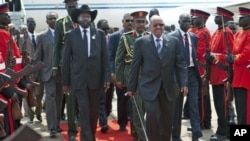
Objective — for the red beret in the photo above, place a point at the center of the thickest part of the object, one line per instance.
(4, 7)
(200, 13)
(224, 12)
(139, 14)
(243, 11)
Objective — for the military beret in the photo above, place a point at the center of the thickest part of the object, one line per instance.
(244, 11)
(4, 7)
(67, 1)
(139, 15)
(200, 13)
(224, 12)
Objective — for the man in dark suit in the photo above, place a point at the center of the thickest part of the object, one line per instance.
(122, 101)
(156, 58)
(44, 53)
(85, 68)
(188, 42)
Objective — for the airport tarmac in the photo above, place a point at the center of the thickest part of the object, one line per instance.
(185, 135)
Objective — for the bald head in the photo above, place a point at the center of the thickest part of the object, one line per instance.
(156, 25)
(185, 21)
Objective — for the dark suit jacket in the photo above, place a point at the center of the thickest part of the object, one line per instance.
(194, 42)
(154, 71)
(44, 53)
(80, 71)
(114, 39)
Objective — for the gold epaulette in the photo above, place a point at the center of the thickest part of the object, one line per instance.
(129, 32)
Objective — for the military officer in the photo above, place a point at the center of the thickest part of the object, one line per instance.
(123, 60)
(62, 26)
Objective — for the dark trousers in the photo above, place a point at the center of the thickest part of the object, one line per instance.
(122, 106)
(240, 95)
(88, 104)
(105, 104)
(159, 117)
(220, 108)
(193, 92)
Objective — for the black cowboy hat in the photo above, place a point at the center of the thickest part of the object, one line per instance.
(83, 9)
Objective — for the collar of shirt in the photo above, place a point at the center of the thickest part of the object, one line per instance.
(137, 34)
(52, 31)
(157, 38)
(30, 35)
(88, 30)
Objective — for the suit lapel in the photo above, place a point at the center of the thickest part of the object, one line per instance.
(92, 41)
(152, 45)
(165, 45)
(49, 35)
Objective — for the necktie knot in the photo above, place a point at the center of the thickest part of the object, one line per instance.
(158, 40)
(84, 31)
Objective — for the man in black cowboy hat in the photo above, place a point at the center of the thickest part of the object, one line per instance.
(62, 26)
(85, 68)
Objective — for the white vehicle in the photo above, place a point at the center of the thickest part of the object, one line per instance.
(113, 10)
(17, 12)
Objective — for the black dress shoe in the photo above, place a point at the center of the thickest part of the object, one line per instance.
(39, 118)
(217, 137)
(59, 129)
(123, 128)
(53, 133)
(195, 139)
(189, 129)
(72, 138)
(104, 128)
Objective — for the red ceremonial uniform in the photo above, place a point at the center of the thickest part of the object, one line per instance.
(241, 75)
(5, 37)
(242, 51)
(201, 45)
(218, 49)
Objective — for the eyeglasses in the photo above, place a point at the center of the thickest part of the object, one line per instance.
(129, 21)
(156, 25)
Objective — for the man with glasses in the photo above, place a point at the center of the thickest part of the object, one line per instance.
(123, 61)
(156, 58)
(64, 25)
(122, 101)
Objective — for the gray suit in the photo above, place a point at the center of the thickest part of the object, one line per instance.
(158, 87)
(85, 75)
(38, 91)
(44, 53)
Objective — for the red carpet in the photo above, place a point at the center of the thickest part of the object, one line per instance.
(113, 134)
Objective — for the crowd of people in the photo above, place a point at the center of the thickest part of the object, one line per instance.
(150, 66)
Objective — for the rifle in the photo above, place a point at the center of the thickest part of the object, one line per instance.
(207, 68)
(3, 104)
(4, 78)
(10, 59)
(229, 78)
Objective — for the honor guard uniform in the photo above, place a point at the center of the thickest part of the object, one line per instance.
(240, 59)
(123, 60)
(218, 46)
(199, 28)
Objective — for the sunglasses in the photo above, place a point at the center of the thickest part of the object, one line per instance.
(156, 25)
(129, 21)
(105, 28)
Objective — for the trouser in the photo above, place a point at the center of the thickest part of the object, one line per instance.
(220, 108)
(71, 114)
(136, 120)
(240, 95)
